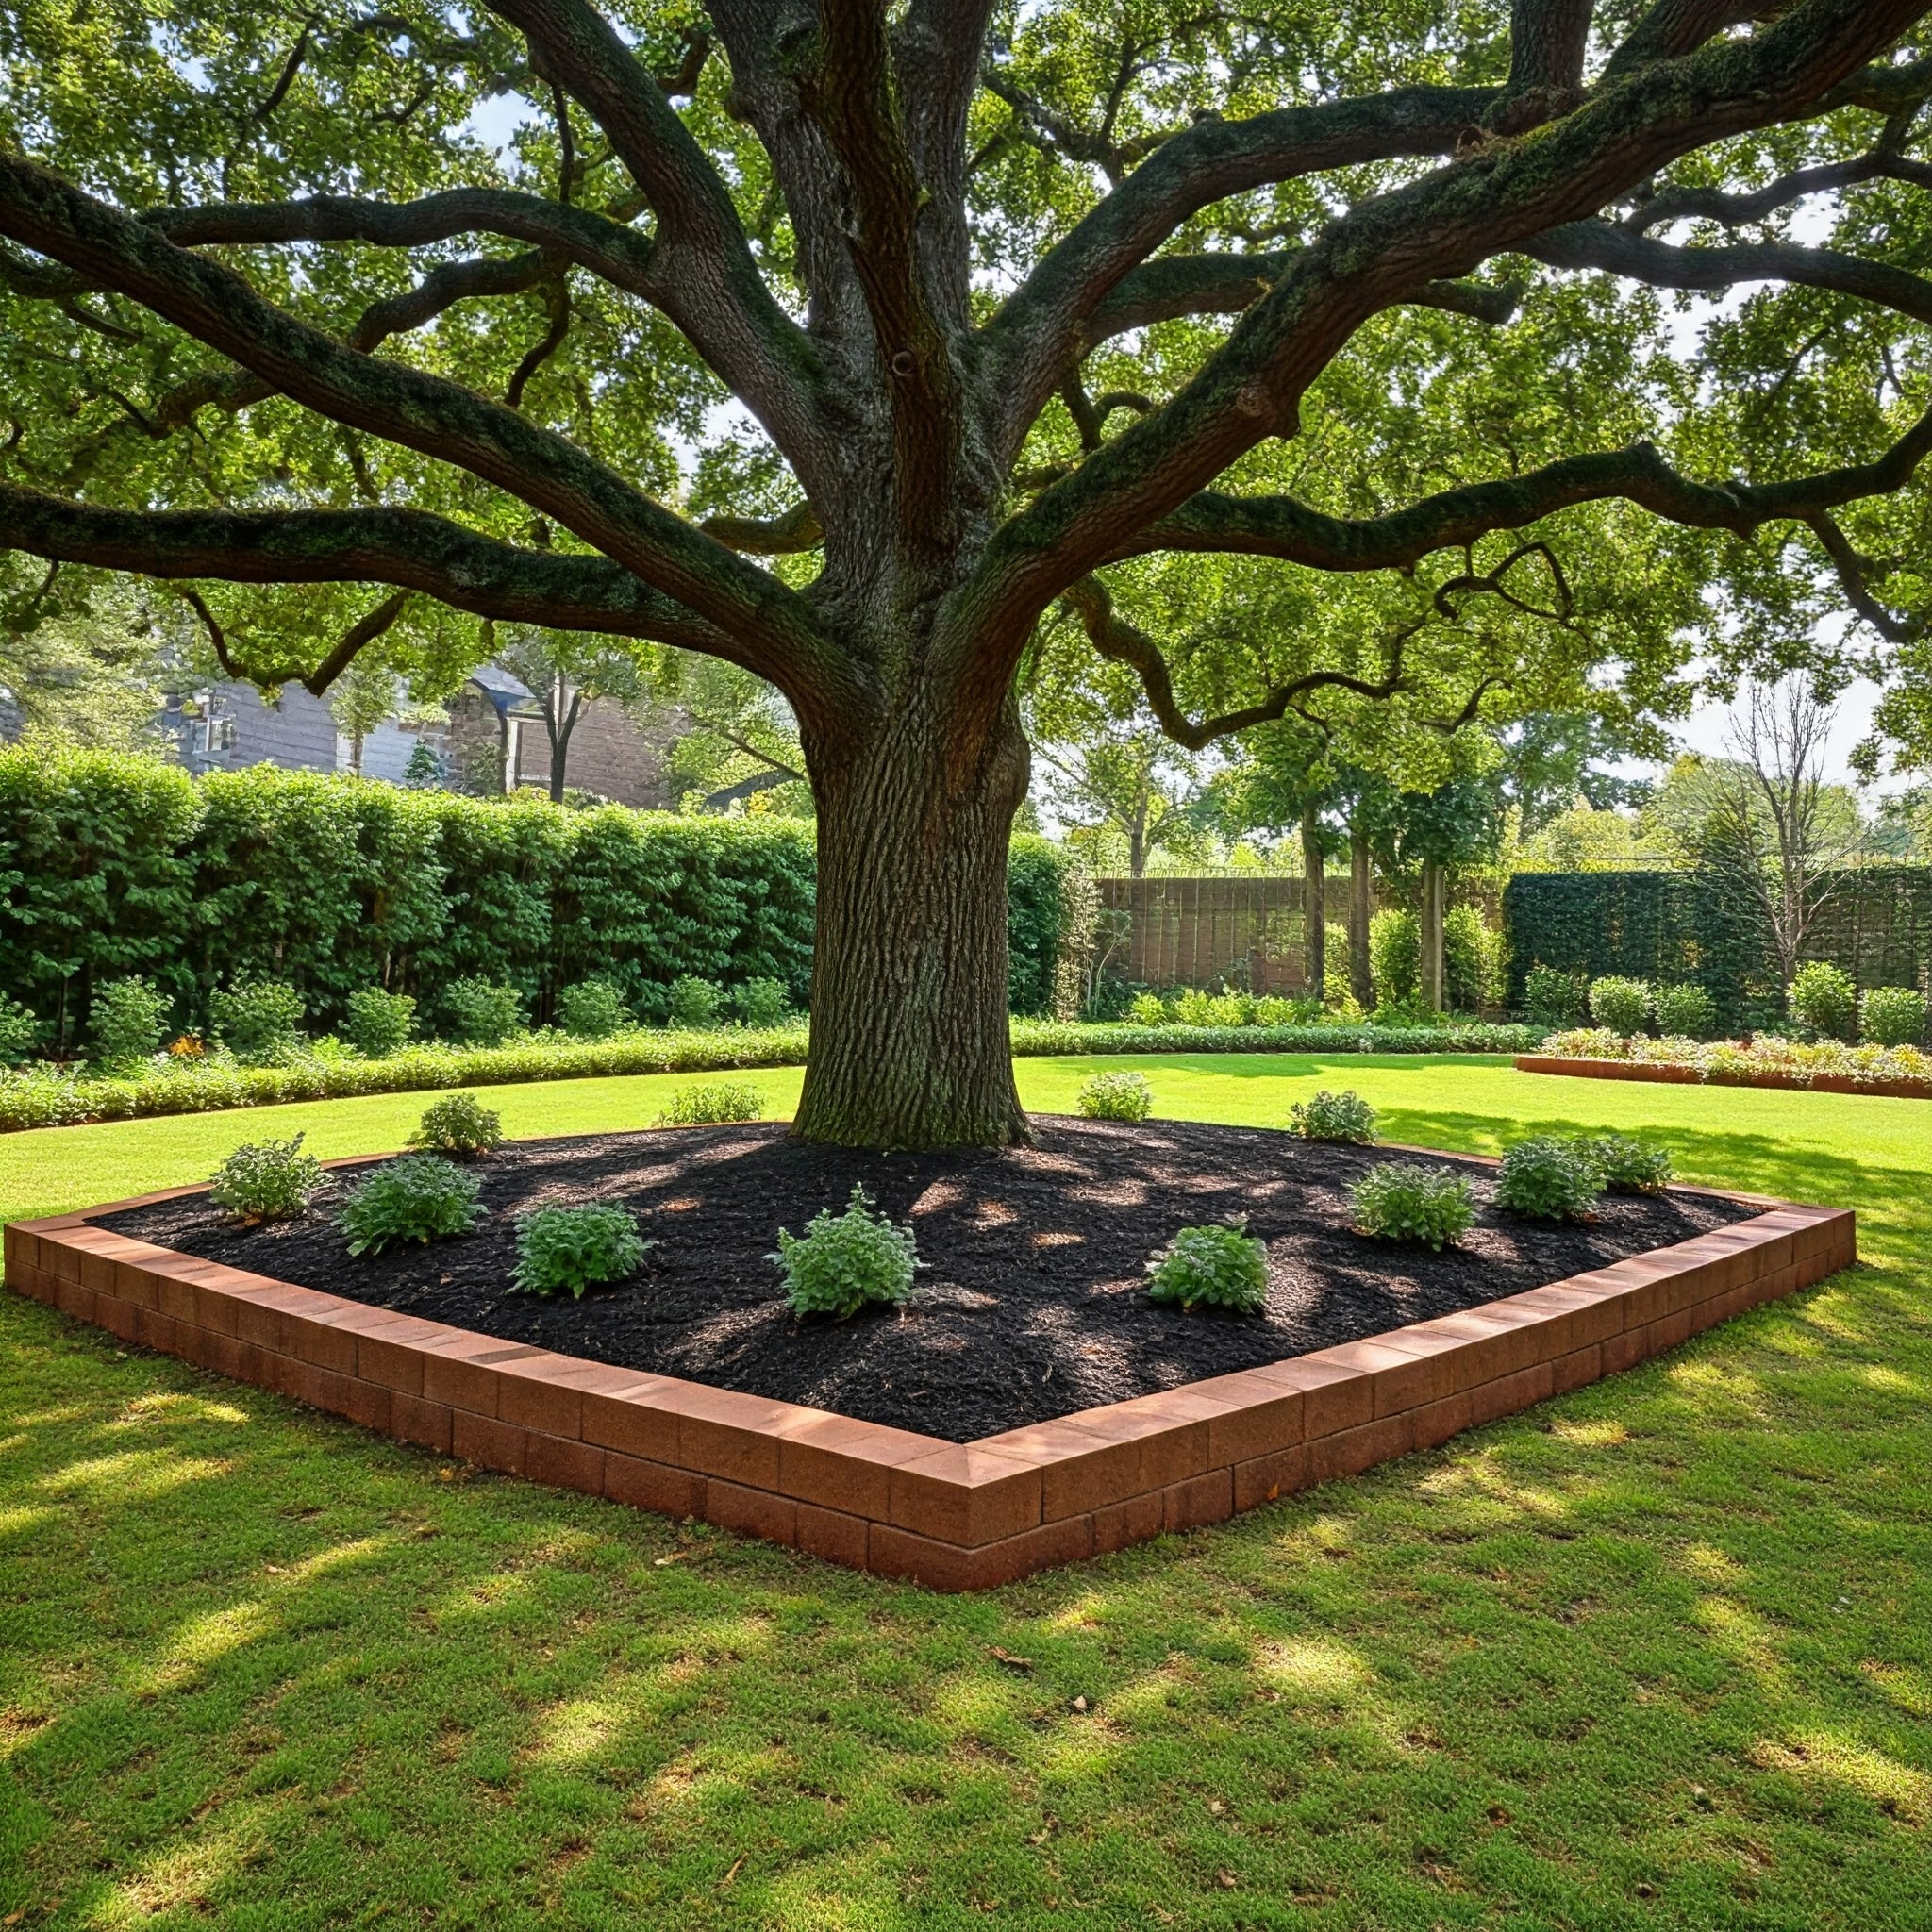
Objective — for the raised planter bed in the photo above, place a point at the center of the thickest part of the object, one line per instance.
(1673, 1074)
(903, 1502)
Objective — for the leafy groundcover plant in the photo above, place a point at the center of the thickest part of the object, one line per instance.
(1116, 1097)
(417, 1197)
(1549, 1178)
(1628, 1165)
(576, 1248)
(842, 1262)
(459, 1128)
(1344, 1116)
(1214, 1267)
(1404, 1201)
(266, 1180)
(710, 1102)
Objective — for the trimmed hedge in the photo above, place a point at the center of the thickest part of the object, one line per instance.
(115, 865)
(34, 1097)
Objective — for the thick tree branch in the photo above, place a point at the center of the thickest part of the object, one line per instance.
(426, 413)
(733, 318)
(1547, 41)
(1736, 210)
(1617, 251)
(411, 549)
(1281, 527)
(1036, 333)
(1113, 637)
(1854, 573)
(854, 96)
(796, 530)
(1498, 196)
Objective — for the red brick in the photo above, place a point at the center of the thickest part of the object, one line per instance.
(1045, 1547)
(1506, 1394)
(155, 1330)
(84, 1305)
(118, 1317)
(139, 1286)
(1265, 1477)
(28, 1279)
(487, 1443)
(1334, 1398)
(895, 1552)
(733, 1437)
(1199, 1500)
(343, 1395)
(847, 1465)
(632, 1419)
(966, 1493)
(833, 1535)
(1348, 1452)
(257, 1320)
(1436, 1421)
(1573, 1370)
(99, 1252)
(1626, 1350)
(21, 1248)
(1265, 1416)
(60, 1255)
(1080, 1469)
(751, 1511)
(1569, 1318)
(1169, 1431)
(531, 1393)
(393, 1353)
(647, 1485)
(174, 1297)
(462, 1372)
(1118, 1525)
(564, 1463)
(426, 1424)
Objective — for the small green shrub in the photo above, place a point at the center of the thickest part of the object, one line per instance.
(1219, 1267)
(1116, 1097)
(416, 1197)
(1622, 1005)
(255, 1019)
(1825, 998)
(1395, 955)
(458, 1126)
(1278, 1010)
(695, 1002)
(266, 1180)
(1628, 1165)
(1333, 1117)
(378, 1022)
(591, 1009)
(1549, 1178)
(1552, 997)
(575, 1248)
(1193, 1006)
(1404, 1015)
(763, 1003)
(1685, 1012)
(711, 1102)
(1404, 1201)
(125, 1021)
(19, 1033)
(1231, 1010)
(1472, 960)
(480, 1012)
(1892, 1016)
(843, 1261)
(1147, 1010)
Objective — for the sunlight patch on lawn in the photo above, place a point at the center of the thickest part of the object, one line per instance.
(342, 1556)
(137, 1475)
(206, 1640)
(1898, 1788)
(175, 1406)
(1314, 1669)
(1593, 1432)
(574, 1732)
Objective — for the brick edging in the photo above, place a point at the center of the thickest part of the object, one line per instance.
(954, 1516)
(1673, 1073)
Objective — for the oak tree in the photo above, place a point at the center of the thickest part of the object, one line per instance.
(278, 313)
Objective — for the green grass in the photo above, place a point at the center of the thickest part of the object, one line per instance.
(1657, 1654)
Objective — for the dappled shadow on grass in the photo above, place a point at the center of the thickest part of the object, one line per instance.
(1654, 1655)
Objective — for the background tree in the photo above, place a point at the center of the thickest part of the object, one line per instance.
(924, 247)
(564, 670)
(83, 658)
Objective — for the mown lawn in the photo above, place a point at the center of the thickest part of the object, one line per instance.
(1658, 1653)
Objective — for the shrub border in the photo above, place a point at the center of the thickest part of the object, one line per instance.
(1675, 1073)
(951, 1516)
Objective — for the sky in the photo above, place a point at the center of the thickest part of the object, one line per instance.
(1706, 727)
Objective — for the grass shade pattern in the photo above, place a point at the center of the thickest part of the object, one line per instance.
(1657, 1654)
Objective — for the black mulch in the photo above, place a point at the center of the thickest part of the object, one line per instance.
(1029, 1307)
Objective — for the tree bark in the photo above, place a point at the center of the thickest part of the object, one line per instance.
(1361, 910)
(1432, 894)
(1314, 904)
(909, 1044)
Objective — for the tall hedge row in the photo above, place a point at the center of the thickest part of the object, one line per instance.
(112, 864)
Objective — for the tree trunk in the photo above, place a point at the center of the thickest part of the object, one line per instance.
(909, 1040)
(1361, 910)
(1314, 904)
(1433, 896)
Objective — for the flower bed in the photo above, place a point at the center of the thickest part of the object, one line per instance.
(1828, 1065)
(54, 1097)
